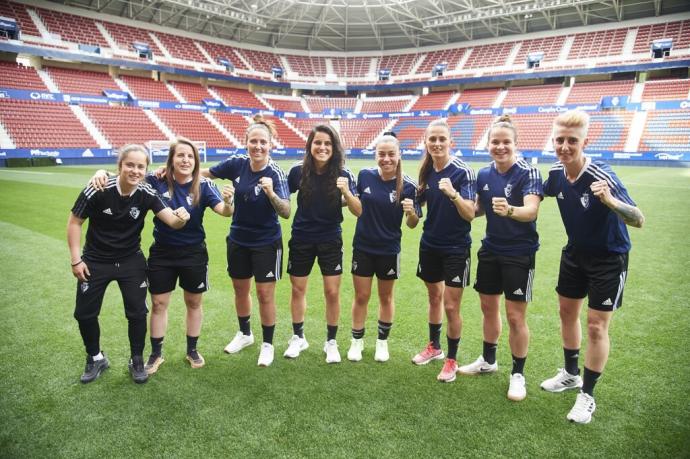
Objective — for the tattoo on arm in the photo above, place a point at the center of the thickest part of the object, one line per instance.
(281, 206)
(631, 215)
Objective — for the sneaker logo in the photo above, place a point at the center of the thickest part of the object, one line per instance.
(518, 292)
(338, 268)
(456, 279)
(143, 285)
(270, 274)
(367, 190)
(202, 285)
(391, 272)
(607, 302)
(486, 187)
(560, 195)
(84, 287)
(108, 211)
(134, 212)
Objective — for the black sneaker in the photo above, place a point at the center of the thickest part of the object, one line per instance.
(94, 368)
(136, 369)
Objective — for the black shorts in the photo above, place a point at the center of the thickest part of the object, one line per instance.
(302, 255)
(510, 275)
(365, 264)
(264, 263)
(601, 277)
(437, 265)
(130, 274)
(168, 263)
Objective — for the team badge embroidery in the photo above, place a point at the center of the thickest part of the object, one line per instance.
(84, 287)
(392, 195)
(134, 212)
(584, 200)
(257, 190)
(190, 198)
(508, 190)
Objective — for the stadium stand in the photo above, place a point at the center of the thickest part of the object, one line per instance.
(531, 95)
(608, 131)
(451, 57)
(679, 31)
(433, 101)
(260, 60)
(73, 81)
(551, 47)
(494, 55)
(384, 104)
(410, 131)
(234, 123)
(307, 65)
(72, 28)
(534, 130)
(192, 125)
(216, 51)
(192, 93)
(666, 90)
(124, 36)
(351, 67)
(322, 104)
(598, 44)
(361, 133)
(592, 92)
(122, 125)
(181, 48)
(467, 131)
(479, 97)
(667, 131)
(147, 89)
(398, 64)
(18, 12)
(238, 97)
(17, 76)
(283, 104)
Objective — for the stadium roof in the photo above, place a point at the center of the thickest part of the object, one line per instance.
(374, 25)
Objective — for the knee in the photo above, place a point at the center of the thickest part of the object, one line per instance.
(332, 295)
(193, 304)
(362, 299)
(299, 291)
(516, 321)
(386, 301)
(596, 330)
(159, 306)
(264, 296)
(435, 299)
(451, 307)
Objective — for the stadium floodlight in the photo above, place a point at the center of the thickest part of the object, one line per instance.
(480, 14)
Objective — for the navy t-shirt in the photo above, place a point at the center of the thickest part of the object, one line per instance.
(505, 236)
(193, 232)
(590, 225)
(444, 228)
(115, 221)
(319, 219)
(255, 221)
(378, 228)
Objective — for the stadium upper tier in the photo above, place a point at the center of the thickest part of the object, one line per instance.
(55, 29)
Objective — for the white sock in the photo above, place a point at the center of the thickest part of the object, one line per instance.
(98, 356)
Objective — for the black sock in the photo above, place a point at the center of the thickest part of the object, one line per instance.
(589, 380)
(267, 331)
(332, 331)
(191, 343)
(137, 335)
(245, 327)
(384, 329)
(435, 335)
(489, 352)
(453, 344)
(571, 356)
(156, 345)
(91, 335)
(298, 329)
(358, 334)
(518, 365)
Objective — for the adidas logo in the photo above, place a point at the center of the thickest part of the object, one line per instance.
(518, 292)
(338, 268)
(486, 187)
(367, 190)
(237, 180)
(143, 285)
(108, 211)
(456, 279)
(270, 274)
(560, 195)
(607, 302)
(391, 272)
(202, 285)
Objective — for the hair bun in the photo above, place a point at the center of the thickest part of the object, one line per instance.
(505, 118)
(390, 133)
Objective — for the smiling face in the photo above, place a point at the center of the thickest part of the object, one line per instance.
(183, 161)
(132, 168)
(438, 142)
(569, 143)
(259, 146)
(387, 158)
(502, 147)
(321, 149)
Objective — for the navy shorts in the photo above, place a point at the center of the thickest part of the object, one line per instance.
(167, 263)
(511, 275)
(365, 264)
(438, 265)
(302, 256)
(264, 263)
(599, 276)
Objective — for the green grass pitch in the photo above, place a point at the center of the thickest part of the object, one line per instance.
(306, 408)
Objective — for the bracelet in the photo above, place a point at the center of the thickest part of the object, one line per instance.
(511, 209)
(77, 263)
(455, 198)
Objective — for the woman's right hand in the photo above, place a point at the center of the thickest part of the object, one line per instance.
(81, 271)
(159, 173)
(99, 180)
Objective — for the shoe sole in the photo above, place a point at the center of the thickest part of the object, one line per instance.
(194, 364)
(354, 359)
(517, 399)
(154, 368)
(264, 364)
(380, 359)
(95, 377)
(139, 380)
(238, 350)
(290, 356)
(447, 380)
(579, 422)
(561, 389)
(441, 356)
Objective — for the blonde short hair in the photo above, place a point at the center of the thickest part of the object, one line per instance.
(572, 119)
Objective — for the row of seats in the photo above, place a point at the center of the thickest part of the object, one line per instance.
(666, 130)
(78, 29)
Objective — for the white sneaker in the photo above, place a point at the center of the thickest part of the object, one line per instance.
(266, 355)
(239, 342)
(516, 389)
(562, 381)
(381, 354)
(354, 354)
(295, 346)
(583, 409)
(477, 367)
(330, 347)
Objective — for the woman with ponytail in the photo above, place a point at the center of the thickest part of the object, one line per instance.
(509, 191)
(386, 195)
